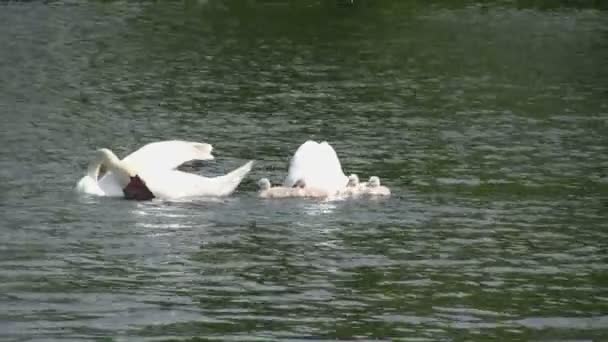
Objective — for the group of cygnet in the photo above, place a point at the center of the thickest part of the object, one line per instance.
(353, 189)
(315, 171)
(151, 172)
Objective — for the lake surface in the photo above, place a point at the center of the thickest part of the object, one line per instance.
(488, 122)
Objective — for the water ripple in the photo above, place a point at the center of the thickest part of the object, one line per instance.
(491, 138)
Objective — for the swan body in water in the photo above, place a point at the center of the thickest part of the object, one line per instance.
(298, 190)
(317, 165)
(152, 172)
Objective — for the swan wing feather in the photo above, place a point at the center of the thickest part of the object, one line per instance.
(170, 184)
(168, 155)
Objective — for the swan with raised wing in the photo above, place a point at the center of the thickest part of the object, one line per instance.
(151, 172)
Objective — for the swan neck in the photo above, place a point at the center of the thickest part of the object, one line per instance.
(110, 160)
(121, 169)
(93, 169)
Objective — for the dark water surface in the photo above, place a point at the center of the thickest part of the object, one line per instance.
(488, 122)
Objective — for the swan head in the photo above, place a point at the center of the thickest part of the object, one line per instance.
(374, 181)
(353, 180)
(300, 183)
(264, 184)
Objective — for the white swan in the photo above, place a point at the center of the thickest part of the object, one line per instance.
(299, 190)
(165, 155)
(317, 165)
(151, 172)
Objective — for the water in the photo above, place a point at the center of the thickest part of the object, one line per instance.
(488, 122)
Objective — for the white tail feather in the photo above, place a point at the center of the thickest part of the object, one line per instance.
(231, 180)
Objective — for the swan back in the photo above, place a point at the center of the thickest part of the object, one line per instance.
(316, 164)
(171, 184)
